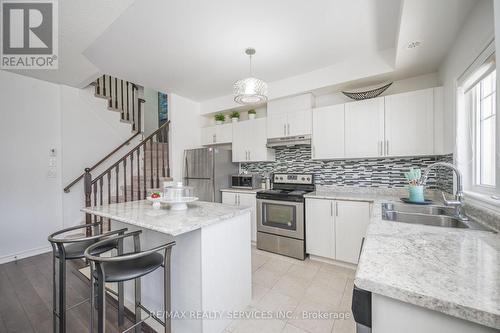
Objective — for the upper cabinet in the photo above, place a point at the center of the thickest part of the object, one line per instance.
(328, 132)
(249, 142)
(218, 134)
(409, 123)
(364, 128)
(289, 116)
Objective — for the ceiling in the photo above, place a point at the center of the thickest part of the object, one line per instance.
(196, 48)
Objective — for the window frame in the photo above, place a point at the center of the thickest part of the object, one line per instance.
(476, 156)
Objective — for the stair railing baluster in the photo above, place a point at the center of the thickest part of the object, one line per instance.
(132, 176)
(104, 85)
(121, 93)
(87, 186)
(101, 182)
(116, 93)
(157, 161)
(167, 129)
(117, 171)
(125, 179)
(133, 101)
(95, 199)
(151, 162)
(163, 152)
(138, 175)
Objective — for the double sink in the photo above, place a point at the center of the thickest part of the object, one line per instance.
(439, 216)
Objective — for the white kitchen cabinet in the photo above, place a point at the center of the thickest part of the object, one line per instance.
(409, 123)
(320, 228)
(244, 200)
(328, 132)
(289, 116)
(218, 134)
(351, 222)
(364, 128)
(249, 142)
(335, 228)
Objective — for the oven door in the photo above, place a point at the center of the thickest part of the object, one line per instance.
(284, 218)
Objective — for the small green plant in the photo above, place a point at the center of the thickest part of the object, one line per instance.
(235, 114)
(220, 117)
(252, 112)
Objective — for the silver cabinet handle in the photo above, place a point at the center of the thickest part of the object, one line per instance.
(284, 129)
(249, 154)
(336, 208)
(235, 196)
(380, 148)
(387, 147)
(239, 200)
(288, 128)
(213, 138)
(331, 208)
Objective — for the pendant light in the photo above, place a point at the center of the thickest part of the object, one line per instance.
(250, 90)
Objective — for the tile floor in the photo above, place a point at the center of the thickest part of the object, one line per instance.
(297, 288)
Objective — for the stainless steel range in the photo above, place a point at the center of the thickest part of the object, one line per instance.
(280, 215)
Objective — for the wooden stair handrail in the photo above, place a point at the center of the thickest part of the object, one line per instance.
(142, 143)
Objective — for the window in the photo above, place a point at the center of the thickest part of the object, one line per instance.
(485, 132)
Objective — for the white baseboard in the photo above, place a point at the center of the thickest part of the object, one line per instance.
(333, 262)
(24, 254)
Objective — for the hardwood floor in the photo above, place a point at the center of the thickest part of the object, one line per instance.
(26, 297)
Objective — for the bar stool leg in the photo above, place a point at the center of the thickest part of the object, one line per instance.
(138, 301)
(166, 290)
(101, 301)
(62, 293)
(121, 307)
(54, 292)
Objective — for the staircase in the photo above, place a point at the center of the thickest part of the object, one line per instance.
(142, 169)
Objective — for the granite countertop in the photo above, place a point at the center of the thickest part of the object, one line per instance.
(241, 190)
(141, 213)
(453, 271)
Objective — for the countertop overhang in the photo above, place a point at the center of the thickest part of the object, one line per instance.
(173, 222)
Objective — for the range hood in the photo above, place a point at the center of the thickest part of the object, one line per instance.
(299, 140)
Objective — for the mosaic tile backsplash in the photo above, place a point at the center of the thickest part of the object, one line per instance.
(373, 172)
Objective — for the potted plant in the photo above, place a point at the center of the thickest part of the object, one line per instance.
(251, 114)
(219, 118)
(415, 189)
(235, 116)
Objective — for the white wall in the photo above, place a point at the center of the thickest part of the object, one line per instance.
(474, 36)
(88, 133)
(185, 130)
(150, 111)
(30, 201)
(400, 86)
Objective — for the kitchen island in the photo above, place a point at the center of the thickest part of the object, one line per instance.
(211, 261)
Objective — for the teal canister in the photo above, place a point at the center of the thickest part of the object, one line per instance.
(416, 193)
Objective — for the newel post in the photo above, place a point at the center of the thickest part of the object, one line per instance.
(87, 185)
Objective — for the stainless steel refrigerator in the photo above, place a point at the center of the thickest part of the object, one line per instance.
(208, 171)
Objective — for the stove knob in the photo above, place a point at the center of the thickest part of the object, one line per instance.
(308, 178)
(303, 179)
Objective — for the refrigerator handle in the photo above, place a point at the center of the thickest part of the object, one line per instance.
(186, 173)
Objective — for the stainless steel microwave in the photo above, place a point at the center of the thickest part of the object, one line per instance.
(246, 181)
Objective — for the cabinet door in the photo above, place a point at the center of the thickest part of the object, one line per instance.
(249, 200)
(241, 141)
(351, 222)
(276, 125)
(409, 123)
(224, 133)
(208, 135)
(229, 198)
(320, 229)
(364, 128)
(299, 122)
(257, 140)
(328, 132)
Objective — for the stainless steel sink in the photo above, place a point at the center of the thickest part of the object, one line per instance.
(438, 216)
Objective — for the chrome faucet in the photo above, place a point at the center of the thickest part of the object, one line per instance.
(458, 203)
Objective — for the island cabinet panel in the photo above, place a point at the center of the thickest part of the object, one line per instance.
(409, 123)
(328, 132)
(364, 128)
(218, 134)
(351, 222)
(244, 200)
(249, 142)
(320, 228)
(335, 228)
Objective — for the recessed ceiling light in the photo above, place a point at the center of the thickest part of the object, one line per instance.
(414, 44)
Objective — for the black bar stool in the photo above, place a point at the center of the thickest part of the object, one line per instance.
(130, 266)
(70, 249)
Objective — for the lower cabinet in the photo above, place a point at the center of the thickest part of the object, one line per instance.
(335, 228)
(243, 200)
